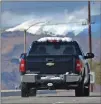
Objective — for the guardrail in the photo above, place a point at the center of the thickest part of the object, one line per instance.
(6, 93)
(10, 90)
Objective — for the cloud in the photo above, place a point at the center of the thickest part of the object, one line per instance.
(74, 20)
(9, 19)
(82, 14)
(12, 19)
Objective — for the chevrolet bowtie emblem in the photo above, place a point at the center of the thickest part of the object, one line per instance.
(50, 64)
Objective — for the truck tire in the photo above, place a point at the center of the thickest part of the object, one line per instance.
(24, 90)
(32, 92)
(86, 91)
(79, 91)
(87, 88)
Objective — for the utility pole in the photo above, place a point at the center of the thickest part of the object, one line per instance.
(89, 27)
(90, 38)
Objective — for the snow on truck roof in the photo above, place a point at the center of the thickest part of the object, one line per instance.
(63, 39)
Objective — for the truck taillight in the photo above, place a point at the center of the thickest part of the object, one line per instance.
(78, 65)
(22, 67)
(54, 41)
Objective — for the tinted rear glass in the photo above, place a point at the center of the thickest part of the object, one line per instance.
(52, 49)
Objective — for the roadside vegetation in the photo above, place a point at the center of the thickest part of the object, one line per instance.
(96, 67)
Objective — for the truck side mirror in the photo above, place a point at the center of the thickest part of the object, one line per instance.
(89, 55)
(22, 56)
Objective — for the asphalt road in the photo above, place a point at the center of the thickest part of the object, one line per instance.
(58, 97)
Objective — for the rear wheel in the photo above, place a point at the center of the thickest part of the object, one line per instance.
(32, 92)
(87, 88)
(24, 90)
(86, 91)
(79, 91)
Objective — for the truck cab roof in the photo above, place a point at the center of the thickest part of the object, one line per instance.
(54, 46)
(55, 39)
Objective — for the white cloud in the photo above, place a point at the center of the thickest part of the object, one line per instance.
(12, 19)
(82, 14)
(77, 17)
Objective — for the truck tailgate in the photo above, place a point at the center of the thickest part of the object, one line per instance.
(51, 64)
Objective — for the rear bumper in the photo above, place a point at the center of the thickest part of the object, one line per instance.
(33, 78)
(61, 82)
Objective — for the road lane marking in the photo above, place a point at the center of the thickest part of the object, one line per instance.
(59, 103)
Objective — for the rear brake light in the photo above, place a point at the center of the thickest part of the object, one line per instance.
(53, 41)
(78, 65)
(22, 65)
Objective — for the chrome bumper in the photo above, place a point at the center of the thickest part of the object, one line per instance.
(32, 78)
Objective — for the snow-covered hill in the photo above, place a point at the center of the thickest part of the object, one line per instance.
(58, 28)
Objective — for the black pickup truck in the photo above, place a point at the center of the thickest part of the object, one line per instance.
(54, 63)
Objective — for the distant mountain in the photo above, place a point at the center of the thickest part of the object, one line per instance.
(60, 29)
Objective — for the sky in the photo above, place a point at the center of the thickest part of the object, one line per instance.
(15, 13)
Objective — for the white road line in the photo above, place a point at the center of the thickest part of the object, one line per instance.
(59, 103)
(10, 90)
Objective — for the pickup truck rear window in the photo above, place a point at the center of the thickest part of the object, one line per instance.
(52, 49)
